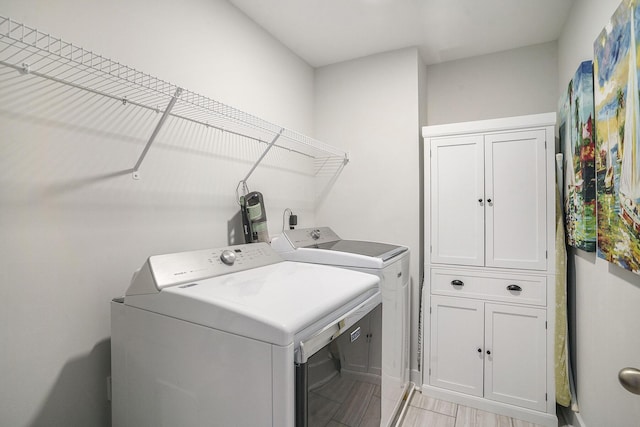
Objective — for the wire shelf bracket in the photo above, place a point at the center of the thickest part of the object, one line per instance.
(167, 111)
(243, 182)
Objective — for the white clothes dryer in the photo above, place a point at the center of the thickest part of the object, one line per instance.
(237, 336)
(390, 263)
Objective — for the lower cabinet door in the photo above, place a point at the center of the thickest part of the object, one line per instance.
(457, 335)
(515, 355)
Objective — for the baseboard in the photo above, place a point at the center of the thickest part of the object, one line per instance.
(416, 376)
(400, 415)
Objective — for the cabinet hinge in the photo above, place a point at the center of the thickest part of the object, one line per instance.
(545, 324)
(545, 397)
(429, 310)
(546, 254)
(429, 371)
(430, 248)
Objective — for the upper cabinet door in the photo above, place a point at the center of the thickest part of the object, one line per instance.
(457, 200)
(516, 200)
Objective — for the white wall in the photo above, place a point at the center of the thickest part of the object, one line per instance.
(604, 298)
(512, 83)
(369, 107)
(75, 225)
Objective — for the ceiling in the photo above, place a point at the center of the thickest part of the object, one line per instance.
(324, 32)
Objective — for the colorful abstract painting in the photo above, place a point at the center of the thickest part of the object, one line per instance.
(578, 147)
(617, 109)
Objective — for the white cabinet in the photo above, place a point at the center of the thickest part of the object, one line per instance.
(497, 350)
(489, 272)
(488, 205)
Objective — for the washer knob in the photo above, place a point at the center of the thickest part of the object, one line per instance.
(315, 234)
(228, 257)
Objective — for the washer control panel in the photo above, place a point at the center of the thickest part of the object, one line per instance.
(161, 271)
(303, 237)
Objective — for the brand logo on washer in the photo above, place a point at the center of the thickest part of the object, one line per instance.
(355, 334)
(188, 286)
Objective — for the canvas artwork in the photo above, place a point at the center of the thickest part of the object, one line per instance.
(617, 119)
(576, 127)
(563, 134)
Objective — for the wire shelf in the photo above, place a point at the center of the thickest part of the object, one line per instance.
(31, 51)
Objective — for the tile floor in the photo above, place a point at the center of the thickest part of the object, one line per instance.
(345, 402)
(425, 411)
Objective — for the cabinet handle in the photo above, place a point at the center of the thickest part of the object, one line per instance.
(489, 201)
(479, 350)
(457, 282)
(514, 288)
(489, 352)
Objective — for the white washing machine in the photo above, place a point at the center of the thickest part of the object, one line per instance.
(391, 264)
(237, 336)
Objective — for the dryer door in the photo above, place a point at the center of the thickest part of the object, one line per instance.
(336, 383)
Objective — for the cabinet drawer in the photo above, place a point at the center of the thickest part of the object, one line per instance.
(490, 286)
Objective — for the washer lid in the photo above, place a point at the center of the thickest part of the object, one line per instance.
(271, 303)
(383, 251)
(322, 246)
